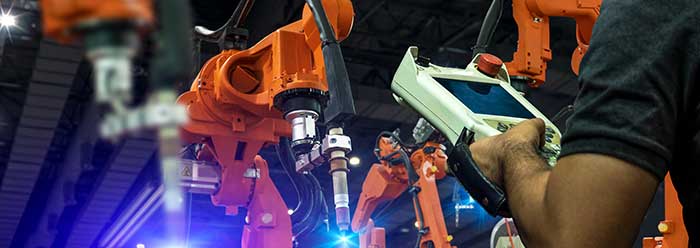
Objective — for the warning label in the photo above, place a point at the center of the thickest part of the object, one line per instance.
(186, 171)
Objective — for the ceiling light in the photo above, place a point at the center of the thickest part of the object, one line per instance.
(355, 161)
(7, 20)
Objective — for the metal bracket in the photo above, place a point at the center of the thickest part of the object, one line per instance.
(252, 173)
(335, 142)
(307, 162)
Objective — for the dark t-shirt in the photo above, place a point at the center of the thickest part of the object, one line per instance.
(639, 98)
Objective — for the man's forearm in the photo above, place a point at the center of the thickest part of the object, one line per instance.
(525, 177)
(587, 200)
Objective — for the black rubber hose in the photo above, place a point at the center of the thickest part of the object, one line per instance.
(311, 202)
(236, 20)
(172, 62)
(320, 209)
(304, 205)
(488, 27)
(412, 175)
(284, 162)
(340, 105)
(414, 190)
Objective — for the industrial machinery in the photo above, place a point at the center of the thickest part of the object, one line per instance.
(404, 166)
(467, 104)
(672, 228)
(243, 100)
(532, 17)
(478, 101)
(463, 108)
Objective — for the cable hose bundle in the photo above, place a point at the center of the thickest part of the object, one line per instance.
(311, 206)
(488, 27)
(235, 21)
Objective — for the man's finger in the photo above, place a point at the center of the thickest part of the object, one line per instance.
(541, 127)
(535, 126)
(531, 131)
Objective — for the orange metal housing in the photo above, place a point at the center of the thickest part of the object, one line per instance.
(430, 167)
(231, 107)
(385, 182)
(673, 228)
(532, 16)
(373, 237)
(61, 17)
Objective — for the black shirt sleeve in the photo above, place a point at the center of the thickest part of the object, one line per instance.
(631, 79)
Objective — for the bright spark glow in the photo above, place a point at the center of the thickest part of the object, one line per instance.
(140, 246)
(342, 240)
(355, 161)
(7, 20)
(290, 211)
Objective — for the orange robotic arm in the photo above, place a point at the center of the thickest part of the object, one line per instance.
(532, 16)
(244, 100)
(673, 228)
(386, 181)
(66, 20)
(109, 30)
(429, 162)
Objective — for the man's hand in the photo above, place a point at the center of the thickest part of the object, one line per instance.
(591, 200)
(492, 153)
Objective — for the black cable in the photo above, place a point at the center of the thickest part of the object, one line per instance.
(286, 172)
(243, 14)
(309, 224)
(297, 181)
(325, 30)
(420, 235)
(388, 134)
(340, 105)
(488, 27)
(413, 176)
(235, 21)
(414, 190)
(319, 201)
(311, 203)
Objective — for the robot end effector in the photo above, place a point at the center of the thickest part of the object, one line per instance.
(303, 107)
(305, 111)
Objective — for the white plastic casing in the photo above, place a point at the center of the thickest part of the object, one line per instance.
(414, 85)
